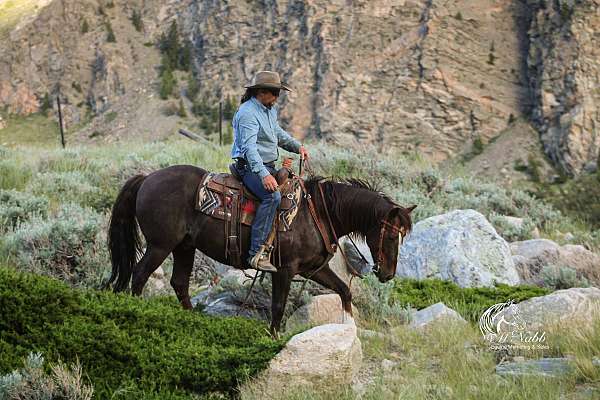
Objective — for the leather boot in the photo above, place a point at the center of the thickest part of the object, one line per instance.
(261, 260)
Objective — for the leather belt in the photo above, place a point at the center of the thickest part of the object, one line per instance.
(240, 163)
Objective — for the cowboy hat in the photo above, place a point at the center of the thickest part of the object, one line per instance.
(267, 80)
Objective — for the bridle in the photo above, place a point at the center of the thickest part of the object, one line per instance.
(332, 247)
(385, 225)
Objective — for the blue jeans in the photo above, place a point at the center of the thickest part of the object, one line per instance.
(265, 214)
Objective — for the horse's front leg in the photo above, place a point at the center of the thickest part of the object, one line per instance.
(281, 289)
(330, 280)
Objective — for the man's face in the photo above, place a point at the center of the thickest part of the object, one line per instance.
(267, 97)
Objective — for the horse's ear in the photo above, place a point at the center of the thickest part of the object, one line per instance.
(409, 209)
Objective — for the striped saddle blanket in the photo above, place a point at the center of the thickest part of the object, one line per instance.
(224, 197)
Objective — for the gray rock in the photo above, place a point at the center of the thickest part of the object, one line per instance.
(225, 305)
(460, 246)
(388, 365)
(568, 307)
(548, 367)
(321, 310)
(531, 256)
(327, 354)
(434, 313)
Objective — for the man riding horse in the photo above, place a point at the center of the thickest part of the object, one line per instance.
(257, 136)
(161, 206)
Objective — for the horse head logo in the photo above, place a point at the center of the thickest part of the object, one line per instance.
(494, 320)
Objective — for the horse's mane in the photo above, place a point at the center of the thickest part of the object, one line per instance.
(356, 194)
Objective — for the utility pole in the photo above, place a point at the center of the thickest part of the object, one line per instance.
(221, 123)
(60, 120)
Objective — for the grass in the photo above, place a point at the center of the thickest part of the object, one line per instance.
(12, 11)
(451, 361)
(140, 348)
(470, 303)
(35, 130)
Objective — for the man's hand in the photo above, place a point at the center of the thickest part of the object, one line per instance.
(287, 163)
(270, 183)
(303, 153)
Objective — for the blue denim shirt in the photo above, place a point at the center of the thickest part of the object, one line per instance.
(257, 136)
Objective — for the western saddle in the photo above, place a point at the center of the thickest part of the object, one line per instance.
(233, 197)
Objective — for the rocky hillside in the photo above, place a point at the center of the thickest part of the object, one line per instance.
(416, 75)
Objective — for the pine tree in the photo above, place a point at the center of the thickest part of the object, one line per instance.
(110, 36)
(171, 45)
(181, 112)
(136, 20)
(192, 88)
(167, 84)
(229, 109)
(85, 28)
(46, 103)
(185, 56)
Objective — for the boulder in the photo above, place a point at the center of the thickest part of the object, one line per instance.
(460, 246)
(568, 307)
(320, 310)
(226, 305)
(325, 355)
(434, 313)
(531, 256)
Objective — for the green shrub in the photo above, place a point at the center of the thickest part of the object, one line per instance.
(192, 88)
(468, 302)
(181, 109)
(376, 304)
(167, 84)
(17, 207)
(46, 103)
(13, 175)
(32, 382)
(478, 145)
(73, 187)
(562, 277)
(110, 34)
(85, 27)
(111, 116)
(68, 245)
(152, 348)
(136, 20)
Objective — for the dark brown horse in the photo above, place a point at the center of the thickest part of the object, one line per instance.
(162, 203)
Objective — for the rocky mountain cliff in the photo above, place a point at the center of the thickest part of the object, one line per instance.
(425, 75)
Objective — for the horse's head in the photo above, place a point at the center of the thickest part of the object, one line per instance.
(384, 241)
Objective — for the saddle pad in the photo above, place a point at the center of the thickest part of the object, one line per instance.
(215, 200)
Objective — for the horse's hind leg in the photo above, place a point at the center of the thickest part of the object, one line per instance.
(153, 257)
(330, 280)
(182, 270)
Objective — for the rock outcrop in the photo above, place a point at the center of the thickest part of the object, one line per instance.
(408, 75)
(460, 246)
(564, 74)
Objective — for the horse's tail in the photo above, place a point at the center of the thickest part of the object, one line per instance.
(124, 241)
